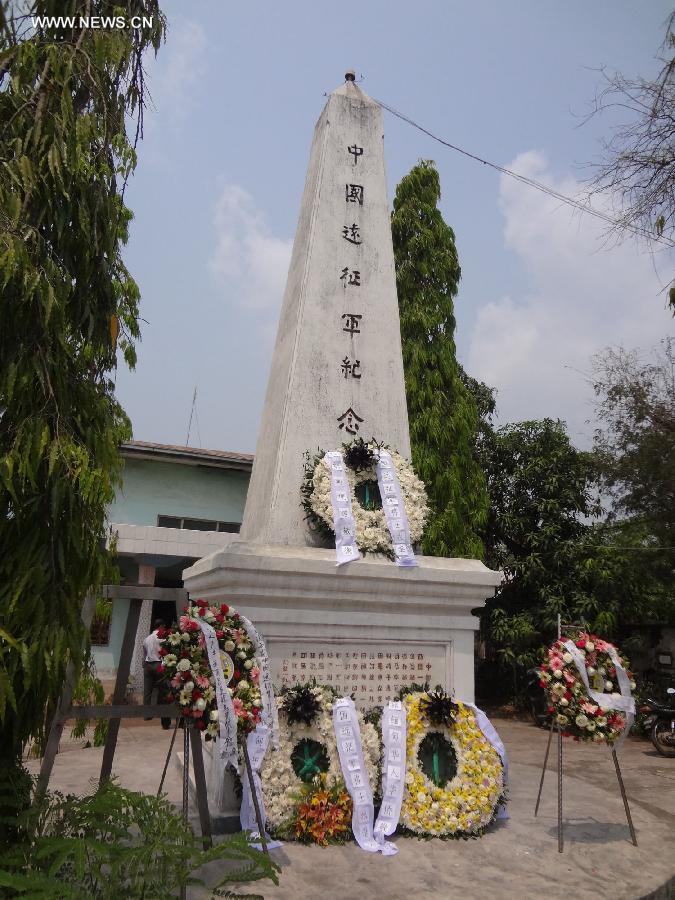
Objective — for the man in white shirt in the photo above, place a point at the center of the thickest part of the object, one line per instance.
(152, 678)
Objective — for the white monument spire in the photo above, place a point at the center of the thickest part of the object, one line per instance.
(337, 374)
(337, 370)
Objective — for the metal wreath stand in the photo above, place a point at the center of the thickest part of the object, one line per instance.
(119, 710)
(556, 727)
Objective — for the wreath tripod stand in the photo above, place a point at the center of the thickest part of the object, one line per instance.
(555, 726)
(560, 786)
(119, 710)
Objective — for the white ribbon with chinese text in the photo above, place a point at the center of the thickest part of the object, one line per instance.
(350, 752)
(341, 501)
(394, 509)
(257, 742)
(227, 720)
(269, 706)
(394, 732)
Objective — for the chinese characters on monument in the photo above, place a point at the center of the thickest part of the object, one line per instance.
(354, 193)
(372, 675)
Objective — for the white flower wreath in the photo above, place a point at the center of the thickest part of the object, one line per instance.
(280, 784)
(372, 534)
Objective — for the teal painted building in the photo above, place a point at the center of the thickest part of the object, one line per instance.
(175, 506)
(156, 488)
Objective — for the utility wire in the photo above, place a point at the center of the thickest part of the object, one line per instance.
(531, 182)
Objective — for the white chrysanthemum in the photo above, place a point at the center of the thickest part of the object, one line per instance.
(281, 785)
(372, 533)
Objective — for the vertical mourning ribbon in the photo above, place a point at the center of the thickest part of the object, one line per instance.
(341, 501)
(394, 509)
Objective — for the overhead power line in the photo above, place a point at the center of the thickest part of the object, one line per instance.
(531, 182)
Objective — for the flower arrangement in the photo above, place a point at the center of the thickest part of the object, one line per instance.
(323, 814)
(454, 777)
(372, 534)
(575, 711)
(186, 667)
(303, 789)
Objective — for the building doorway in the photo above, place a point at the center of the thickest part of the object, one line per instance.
(165, 610)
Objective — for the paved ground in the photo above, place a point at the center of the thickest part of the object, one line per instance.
(517, 859)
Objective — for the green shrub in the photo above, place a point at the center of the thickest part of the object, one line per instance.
(116, 843)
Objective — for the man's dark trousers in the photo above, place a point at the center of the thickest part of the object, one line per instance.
(152, 679)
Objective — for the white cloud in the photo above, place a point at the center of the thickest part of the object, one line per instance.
(177, 70)
(248, 259)
(580, 297)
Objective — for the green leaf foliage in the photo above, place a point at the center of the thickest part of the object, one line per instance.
(544, 494)
(635, 440)
(540, 488)
(117, 843)
(89, 691)
(67, 95)
(442, 410)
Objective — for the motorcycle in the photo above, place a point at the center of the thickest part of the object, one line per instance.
(661, 720)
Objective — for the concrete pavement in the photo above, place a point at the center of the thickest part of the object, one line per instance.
(515, 859)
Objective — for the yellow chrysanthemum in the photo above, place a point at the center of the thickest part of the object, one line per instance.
(467, 803)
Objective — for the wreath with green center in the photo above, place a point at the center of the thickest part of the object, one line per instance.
(372, 534)
(303, 788)
(454, 777)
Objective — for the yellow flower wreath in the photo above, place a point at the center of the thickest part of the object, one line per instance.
(468, 801)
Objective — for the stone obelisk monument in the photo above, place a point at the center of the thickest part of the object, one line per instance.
(337, 370)
(367, 627)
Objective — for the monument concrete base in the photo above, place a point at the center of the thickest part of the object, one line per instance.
(367, 628)
(223, 801)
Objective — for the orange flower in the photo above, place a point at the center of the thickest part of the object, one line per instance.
(326, 813)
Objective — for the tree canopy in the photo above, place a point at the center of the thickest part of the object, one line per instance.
(637, 168)
(635, 440)
(548, 532)
(67, 94)
(540, 488)
(442, 410)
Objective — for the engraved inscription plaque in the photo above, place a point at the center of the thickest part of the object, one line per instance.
(372, 673)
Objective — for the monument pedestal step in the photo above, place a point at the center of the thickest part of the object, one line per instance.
(224, 818)
(302, 603)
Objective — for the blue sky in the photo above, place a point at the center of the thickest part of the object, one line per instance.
(236, 91)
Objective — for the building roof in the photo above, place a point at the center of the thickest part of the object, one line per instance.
(189, 456)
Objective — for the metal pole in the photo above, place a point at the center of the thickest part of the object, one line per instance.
(186, 787)
(560, 791)
(560, 769)
(543, 770)
(258, 816)
(168, 757)
(624, 797)
(186, 770)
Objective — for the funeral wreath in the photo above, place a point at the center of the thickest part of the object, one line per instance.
(303, 788)
(360, 458)
(186, 667)
(454, 778)
(589, 687)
